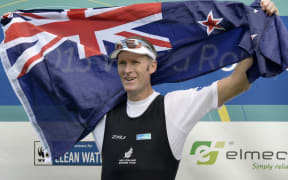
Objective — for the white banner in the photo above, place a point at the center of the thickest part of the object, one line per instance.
(21, 157)
(236, 150)
(213, 150)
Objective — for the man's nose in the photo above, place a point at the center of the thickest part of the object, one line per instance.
(128, 68)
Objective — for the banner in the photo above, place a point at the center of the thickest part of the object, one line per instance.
(66, 82)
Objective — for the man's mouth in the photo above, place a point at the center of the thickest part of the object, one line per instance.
(129, 78)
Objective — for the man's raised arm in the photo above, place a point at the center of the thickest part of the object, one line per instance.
(234, 84)
(237, 82)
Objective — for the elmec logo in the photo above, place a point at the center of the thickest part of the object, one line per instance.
(207, 150)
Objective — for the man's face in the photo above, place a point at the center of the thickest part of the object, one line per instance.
(134, 71)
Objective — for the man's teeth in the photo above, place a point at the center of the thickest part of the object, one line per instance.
(130, 78)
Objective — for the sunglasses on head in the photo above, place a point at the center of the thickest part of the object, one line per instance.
(132, 44)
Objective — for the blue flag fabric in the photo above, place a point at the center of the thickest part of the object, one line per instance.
(57, 63)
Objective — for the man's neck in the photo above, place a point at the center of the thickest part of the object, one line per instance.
(140, 96)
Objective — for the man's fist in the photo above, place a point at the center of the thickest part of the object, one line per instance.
(269, 7)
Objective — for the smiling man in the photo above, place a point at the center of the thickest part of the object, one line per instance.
(135, 69)
(143, 138)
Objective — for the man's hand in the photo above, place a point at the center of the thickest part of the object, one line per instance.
(269, 7)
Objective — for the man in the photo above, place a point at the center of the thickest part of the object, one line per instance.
(144, 136)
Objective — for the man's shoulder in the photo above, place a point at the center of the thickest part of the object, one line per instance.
(192, 94)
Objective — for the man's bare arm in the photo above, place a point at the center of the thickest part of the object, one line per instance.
(234, 84)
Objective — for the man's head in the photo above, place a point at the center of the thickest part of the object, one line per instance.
(136, 59)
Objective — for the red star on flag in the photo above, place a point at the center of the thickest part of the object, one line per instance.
(211, 23)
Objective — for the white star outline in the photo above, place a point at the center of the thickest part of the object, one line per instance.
(219, 20)
(253, 36)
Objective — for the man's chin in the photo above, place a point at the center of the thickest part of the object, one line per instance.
(129, 89)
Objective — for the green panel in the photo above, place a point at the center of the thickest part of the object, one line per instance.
(266, 112)
(252, 113)
(50, 4)
(12, 113)
(212, 116)
(236, 112)
(10, 5)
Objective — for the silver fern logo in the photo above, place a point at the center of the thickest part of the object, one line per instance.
(127, 158)
(129, 153)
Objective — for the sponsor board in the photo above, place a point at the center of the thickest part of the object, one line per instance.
(84, 153)
(260, 159)
(236, 150)
(18, 157)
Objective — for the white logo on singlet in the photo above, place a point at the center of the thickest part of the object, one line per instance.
(127, 158)
(129, 153)
(120, 137)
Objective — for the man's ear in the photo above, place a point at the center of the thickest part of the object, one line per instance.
(153, 66)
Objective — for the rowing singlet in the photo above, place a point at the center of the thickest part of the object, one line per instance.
(137, 148)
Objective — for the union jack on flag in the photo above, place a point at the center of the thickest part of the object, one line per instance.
(89, 28)
(57, 63)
